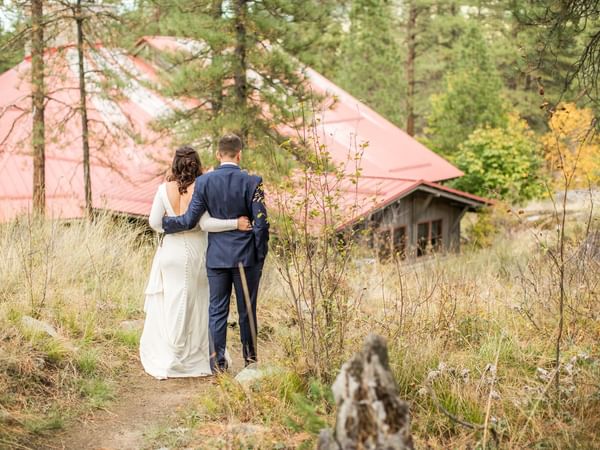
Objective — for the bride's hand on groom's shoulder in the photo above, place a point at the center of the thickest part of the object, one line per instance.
(244, 224)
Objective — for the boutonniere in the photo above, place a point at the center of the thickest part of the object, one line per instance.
(259, 194)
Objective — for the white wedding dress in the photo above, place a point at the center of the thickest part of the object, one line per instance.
(175, 340)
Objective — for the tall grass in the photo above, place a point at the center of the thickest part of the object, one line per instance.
(82, 279)
(471, 341)
(472, 347)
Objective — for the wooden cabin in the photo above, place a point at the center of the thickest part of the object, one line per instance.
(423, 220)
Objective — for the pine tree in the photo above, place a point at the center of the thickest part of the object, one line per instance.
(471, 98)
(59, 24)
(370, 65)
(320, 43)
(11, 48)
(413, 11)
(93, 23)
(242, 70)
(526, 73)
(566, 45)
(431, 31)
(78, 15)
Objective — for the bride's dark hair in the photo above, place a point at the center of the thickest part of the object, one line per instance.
(186, 168)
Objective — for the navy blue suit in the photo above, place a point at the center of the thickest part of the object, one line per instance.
(228, 193)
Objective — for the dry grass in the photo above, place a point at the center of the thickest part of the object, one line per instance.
(447, 320)
(473, 334)
(83, 280)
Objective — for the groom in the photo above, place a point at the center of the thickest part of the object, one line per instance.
(228, 193)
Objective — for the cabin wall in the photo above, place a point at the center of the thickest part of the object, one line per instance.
(418, 208)
(438, 209)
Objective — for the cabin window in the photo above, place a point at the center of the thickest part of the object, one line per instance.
(399, 242)
(392, 241)
(384, 250)
(422, 238)
(429, 237)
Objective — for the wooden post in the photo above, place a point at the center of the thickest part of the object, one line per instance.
(453, 228)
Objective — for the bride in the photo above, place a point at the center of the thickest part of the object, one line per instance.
(175, 340)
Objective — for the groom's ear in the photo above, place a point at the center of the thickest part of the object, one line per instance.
(218, 155)
(239, 156)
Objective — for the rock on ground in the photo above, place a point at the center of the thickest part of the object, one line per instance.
(132, 325)
(39, 326)
(254, 372)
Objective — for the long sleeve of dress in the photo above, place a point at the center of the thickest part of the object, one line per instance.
(157, 212)
(212, 225)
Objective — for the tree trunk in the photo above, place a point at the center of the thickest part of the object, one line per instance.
(85, 139)
(411, 32)
(370, 413)
(241, 82)
(217, 94)
(217, 100)
(38, 96)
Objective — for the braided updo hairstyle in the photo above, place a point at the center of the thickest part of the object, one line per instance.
(186, 168)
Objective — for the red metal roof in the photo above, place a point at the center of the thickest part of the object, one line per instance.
(344, 124)
(124, 171)
(128, 157)
(389, 151)
(354, 198)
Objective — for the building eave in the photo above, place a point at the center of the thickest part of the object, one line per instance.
(469, 201)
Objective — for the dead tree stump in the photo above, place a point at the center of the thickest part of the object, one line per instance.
(370, 414)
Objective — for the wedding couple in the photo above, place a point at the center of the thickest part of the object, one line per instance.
(212, 223)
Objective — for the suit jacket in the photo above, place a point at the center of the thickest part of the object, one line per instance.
(228, 193)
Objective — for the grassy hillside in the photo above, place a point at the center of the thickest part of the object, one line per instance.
(472, 343)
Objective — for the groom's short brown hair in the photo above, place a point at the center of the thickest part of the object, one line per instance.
(230, 145)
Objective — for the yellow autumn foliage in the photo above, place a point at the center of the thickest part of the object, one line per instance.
(572, 147)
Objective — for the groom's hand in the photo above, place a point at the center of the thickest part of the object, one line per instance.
(244, 224)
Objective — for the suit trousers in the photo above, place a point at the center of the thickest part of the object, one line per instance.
(220, 283)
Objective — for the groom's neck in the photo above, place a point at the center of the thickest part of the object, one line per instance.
(229, 159)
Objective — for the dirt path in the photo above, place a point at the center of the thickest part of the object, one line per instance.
(142, 404)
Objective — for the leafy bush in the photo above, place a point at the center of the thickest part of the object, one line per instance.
(503, 163)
